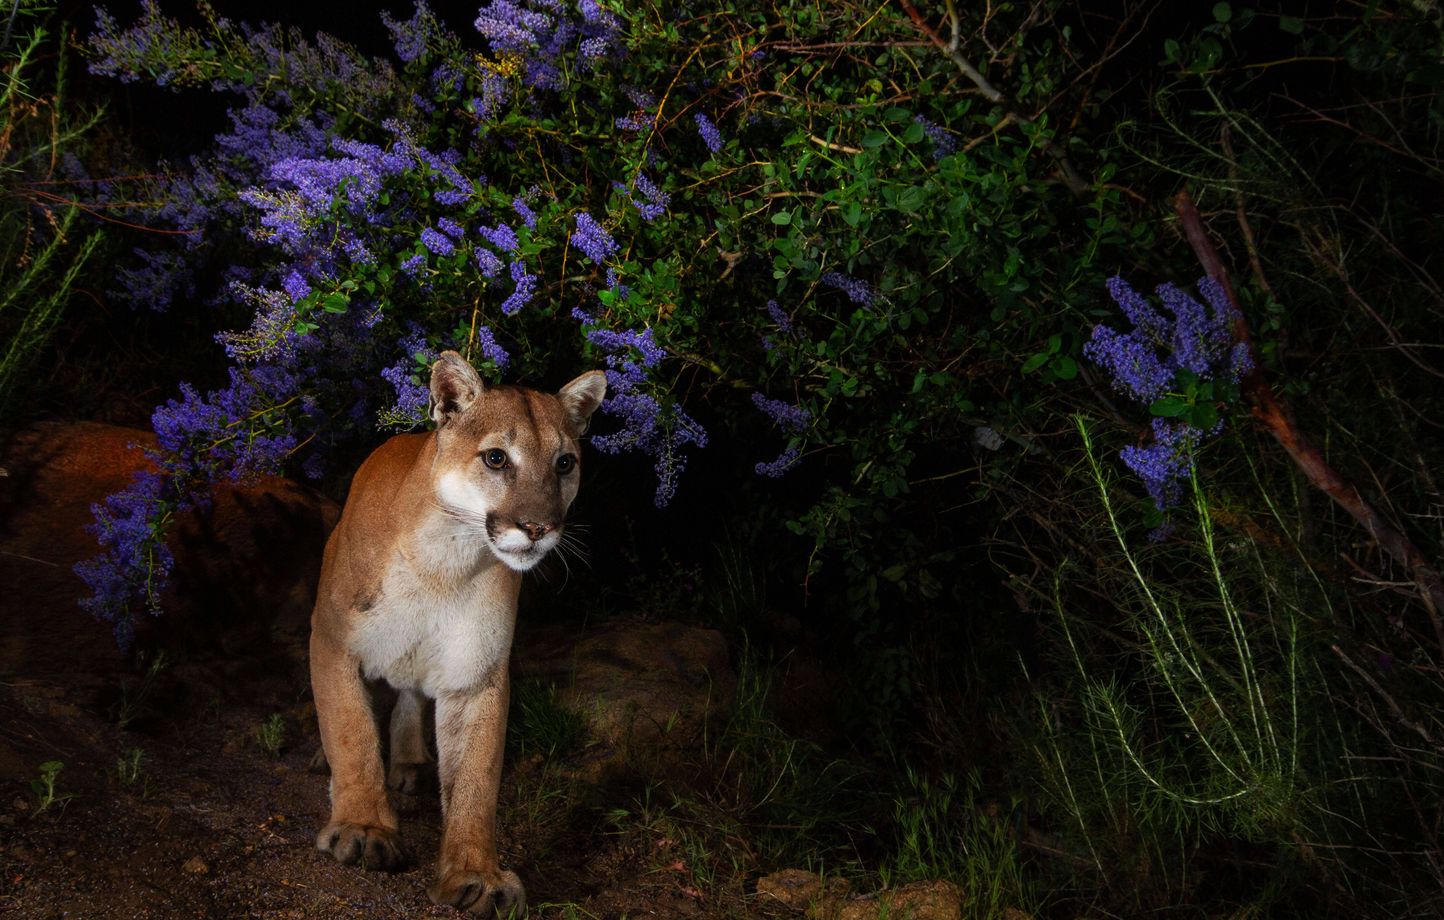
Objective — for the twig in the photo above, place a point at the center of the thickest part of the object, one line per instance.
(1267, 408)
(1394, 709)
(1249, 243)
(840, 148)
(949, 47)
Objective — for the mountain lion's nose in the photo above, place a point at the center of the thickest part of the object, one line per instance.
(534, 530)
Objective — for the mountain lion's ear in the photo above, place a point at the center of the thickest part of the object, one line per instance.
(580, 399)
(454, 386)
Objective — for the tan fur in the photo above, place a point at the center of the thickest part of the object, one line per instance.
(418, 588)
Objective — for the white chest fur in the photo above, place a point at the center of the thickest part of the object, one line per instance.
(443, 619)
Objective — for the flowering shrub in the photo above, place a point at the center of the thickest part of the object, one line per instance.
(1183, 367)
(568, 183)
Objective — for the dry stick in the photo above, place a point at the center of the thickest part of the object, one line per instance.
(1075, 182)
(1394, 708)
(1267, 408)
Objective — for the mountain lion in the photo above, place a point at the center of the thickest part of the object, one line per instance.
(418, 588)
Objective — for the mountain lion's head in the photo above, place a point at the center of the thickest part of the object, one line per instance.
(507, 461)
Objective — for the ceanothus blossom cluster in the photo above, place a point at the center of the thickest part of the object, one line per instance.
(709, 132)
(793, 420)
(945, 143)
(1147, 360)
(593, 239)
(413, 37)
(647, 426)
(857, 290)
(653, 202)
(200, 442)
(412, 394)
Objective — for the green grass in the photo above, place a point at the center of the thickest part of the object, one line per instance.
(271, 735)
(540, 724)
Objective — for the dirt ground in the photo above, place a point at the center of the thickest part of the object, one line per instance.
(212, 825)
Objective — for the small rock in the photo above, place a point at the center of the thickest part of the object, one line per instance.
(195, 866)
(21, 805)
(935, 900)
(800, 889)
(7, 820)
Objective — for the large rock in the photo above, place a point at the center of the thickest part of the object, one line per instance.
(646, 690)
(244, 572)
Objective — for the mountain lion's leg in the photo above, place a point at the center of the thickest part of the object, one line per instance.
(470, 736)
(362, 826)
(408, 741)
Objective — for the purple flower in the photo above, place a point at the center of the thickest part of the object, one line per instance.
(1138, 310)
(620, 343)
(708, 131)
(791, 419)
(1199, 340)
(412, 36)
(511, 27)
(779, 316)
(412, 395)
(1166, 463)
(614, 284)
(594, 242)
(782, 464)
(527, 215)
(490, 350)
(450, 227)
(654, 201)
(412, 266)
(522, 294)
(944, 142)
(501, 236)
(438, 243)
(1133, 363)
(487, 261)
(857, 291)
(633, 123)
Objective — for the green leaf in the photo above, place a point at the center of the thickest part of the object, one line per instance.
(1222, 12)
(1064, 367)
(1035, 362)
(1169, 407)
(912, 198)
(874, 139)
(1291, 24)
(1204, 416)
(914, 134)
(336, 303)
(782, 218)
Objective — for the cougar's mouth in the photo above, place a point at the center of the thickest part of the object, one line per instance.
(515, 549)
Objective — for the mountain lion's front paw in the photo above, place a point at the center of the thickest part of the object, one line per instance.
(372, 847)
(482, 893)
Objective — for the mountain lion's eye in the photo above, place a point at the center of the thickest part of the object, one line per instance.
(495, 458)
(566, 463)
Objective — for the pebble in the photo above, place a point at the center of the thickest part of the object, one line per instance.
(195, 866)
